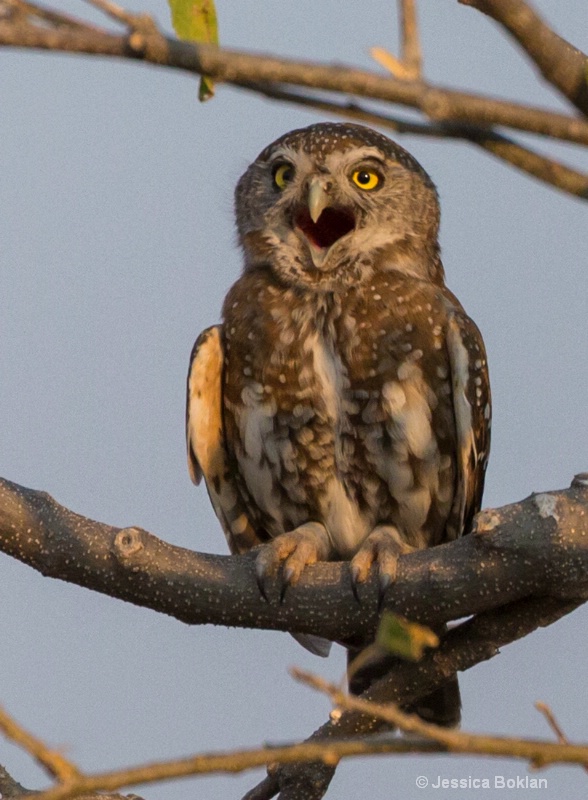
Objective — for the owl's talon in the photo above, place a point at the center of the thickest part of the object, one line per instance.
(296, 550)
(354, 582)
(384, 583)
(383, 547)
(288, 575)
(285, 586)
(260, 579)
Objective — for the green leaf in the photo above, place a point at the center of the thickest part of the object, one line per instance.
(402, 638)
(195, 21)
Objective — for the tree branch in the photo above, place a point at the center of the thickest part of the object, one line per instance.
(471, 643)
(562, 65)
(453, 114)
(535, 548)
(233, 66)
(53, 762)
(524, 565)
(526, 160)
(304, 770)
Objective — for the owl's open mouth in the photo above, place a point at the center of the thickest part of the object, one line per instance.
(332, 224)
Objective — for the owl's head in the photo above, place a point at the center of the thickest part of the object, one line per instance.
(328, 205)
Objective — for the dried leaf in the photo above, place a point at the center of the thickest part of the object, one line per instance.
(406, 639)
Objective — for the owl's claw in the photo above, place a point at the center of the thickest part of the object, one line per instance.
(259, 577)
(383, 546)
(355, 580)
(295, 549)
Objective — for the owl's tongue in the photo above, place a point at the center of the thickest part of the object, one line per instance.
(332, 224)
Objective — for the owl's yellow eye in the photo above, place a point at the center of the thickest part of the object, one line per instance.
(366, 179)
(283, 174)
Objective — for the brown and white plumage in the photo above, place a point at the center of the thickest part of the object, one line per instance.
(342, 409)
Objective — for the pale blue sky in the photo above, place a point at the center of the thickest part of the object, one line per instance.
(117, 248)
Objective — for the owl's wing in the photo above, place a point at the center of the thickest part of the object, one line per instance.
(207, 455)
(472, 410)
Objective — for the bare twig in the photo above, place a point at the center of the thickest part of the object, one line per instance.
(544, 709)
(229, 66)
(232, 763)
(562, 65)
(55, 18)
(537, 752)
(410, 47)
(114, 11)
(545, 169)
(52, 761)
(408, 66)
(470, 643)
(138, 23)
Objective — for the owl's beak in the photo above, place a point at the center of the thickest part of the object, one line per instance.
(321, 223)
(318, 199)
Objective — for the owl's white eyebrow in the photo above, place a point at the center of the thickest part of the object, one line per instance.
(361, 156)
(370, 160)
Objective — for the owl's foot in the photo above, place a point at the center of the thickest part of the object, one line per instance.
(383, 546)
(295, 549)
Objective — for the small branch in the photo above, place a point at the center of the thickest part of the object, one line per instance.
(562, 65)
(544, 709)
(234, 67)
(539, 753)
(114, 11)
(54, 18)
(137, 23)
(329, 753)
(547, 170)
(408, 66)
(9, 788)
(410, 46)
(477, 640)
(231, 763)
(51, 761)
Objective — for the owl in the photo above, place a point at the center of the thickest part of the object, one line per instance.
(341, 410)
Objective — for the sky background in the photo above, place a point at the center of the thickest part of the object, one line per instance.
(117, 248)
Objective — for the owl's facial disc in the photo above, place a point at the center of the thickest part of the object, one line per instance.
(321, 224)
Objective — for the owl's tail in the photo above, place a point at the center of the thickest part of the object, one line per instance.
(441, 707)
